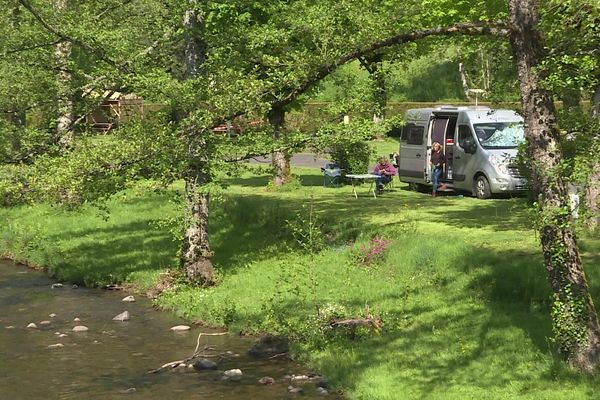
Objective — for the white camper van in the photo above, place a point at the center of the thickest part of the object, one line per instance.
(480, 145)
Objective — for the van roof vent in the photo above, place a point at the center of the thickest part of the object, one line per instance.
(447, 107)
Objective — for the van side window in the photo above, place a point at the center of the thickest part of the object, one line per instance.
(406, 132)
(464, 132)
(415, 135)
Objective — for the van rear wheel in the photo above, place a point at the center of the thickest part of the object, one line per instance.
(482, 188)
(418, 187)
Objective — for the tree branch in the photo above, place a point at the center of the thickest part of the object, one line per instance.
(109, 9)
(479, 28)
(95, 51)
(37, 46)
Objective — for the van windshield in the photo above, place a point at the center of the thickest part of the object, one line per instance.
(500, 135)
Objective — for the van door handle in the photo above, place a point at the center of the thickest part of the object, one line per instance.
(418, 155)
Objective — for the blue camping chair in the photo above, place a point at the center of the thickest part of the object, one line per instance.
(332, 175)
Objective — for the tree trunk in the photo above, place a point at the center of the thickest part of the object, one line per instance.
(464, 80)
(280, 159)
(592, 194)
(575, 322)
(62, 52)
(596, 102)
(195, 252)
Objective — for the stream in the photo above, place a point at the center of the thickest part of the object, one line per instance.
(111, 359)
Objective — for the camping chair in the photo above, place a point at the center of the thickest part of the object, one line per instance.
(332, 175)
(390, 185)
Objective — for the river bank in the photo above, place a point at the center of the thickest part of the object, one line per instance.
(455, 287)
(46, 356)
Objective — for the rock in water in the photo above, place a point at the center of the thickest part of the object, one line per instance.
(76, 319)
(293, 389)
(124, 316)
(52, 315)
(266, 380)
(44, 322)
(180, 328)
(56, 346)
(56, 285)
(296, 378)
(128, 299)
(233, 374)
(32, 326)
(268, 346)
(80, 328)
(322, 391)
(204, 364)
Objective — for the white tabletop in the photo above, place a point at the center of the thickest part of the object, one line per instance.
(362, 176)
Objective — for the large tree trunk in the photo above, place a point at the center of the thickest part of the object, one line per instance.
(575, 321)
(196, 253)
(62, 52)
(280, 159)
(592, 196)
(596, 102)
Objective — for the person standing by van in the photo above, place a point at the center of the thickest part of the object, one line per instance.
(438, 159)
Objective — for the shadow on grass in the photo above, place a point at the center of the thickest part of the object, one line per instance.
(490, 335)
(109, 255)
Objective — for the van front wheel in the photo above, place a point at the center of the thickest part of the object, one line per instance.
(482, 188)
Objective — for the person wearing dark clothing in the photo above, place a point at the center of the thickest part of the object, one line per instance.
(438, 159)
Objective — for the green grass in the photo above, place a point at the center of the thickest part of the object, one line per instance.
(461, 289)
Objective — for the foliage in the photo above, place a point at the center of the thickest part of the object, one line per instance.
(573, 35)
(347, 144)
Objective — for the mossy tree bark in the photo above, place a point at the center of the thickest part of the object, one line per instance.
(592, 193)
(575, 321)
(195, 252)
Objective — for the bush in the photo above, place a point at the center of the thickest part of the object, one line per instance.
(347, 144)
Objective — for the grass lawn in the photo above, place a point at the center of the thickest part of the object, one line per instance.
(457, 282)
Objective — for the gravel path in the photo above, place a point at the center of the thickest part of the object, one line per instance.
(298, 160)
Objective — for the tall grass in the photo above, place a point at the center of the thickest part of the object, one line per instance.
(457, 283)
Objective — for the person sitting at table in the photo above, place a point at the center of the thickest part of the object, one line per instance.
(385, 171)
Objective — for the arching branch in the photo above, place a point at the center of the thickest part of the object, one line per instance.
(478, 28)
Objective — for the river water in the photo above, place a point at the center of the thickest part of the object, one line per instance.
(111, 359)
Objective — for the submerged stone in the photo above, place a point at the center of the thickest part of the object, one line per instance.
(204, 364)
(128, 299)
(180, 328)
(266, 380)
(268, 346)
(80, 328)
(233, 374)
(124, 316)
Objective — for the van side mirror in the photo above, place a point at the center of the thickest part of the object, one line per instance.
(469, 145)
